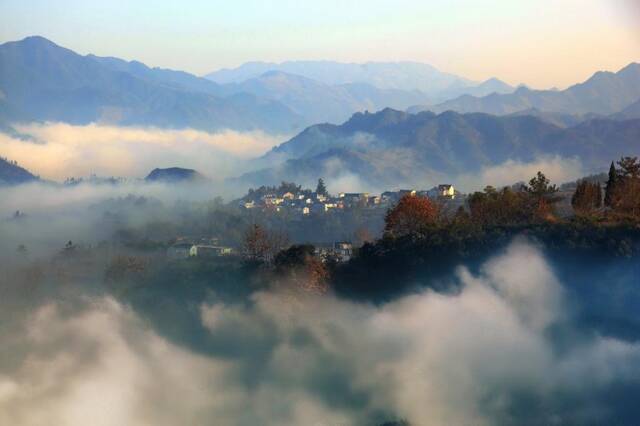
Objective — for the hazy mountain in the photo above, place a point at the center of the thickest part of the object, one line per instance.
(166, 77)
(383, 75)
(13, 174)
(629, 113)
(174, 175)
(319, 102)
(40, 80)
(391, 148)
(557, 118)
(604, 93)
(493, 85)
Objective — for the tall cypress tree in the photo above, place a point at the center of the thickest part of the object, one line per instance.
(611, 184)
(321, 189)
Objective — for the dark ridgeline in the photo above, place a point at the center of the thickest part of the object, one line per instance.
(391, 147)
(12, 174)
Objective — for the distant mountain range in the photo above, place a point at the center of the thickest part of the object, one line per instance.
(605, 93)
(392, 148)
(40, 80)
(13, 174)
(630, 112)
(384, 75)
(397, 77)
(320, 102)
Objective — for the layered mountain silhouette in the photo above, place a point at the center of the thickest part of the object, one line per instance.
(40, 80)
(319, 102)
(605, 93)
(397, 82)
(384, 75)
(630, 112)
(391, 148)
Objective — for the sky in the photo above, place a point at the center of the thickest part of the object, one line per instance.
(542, 43)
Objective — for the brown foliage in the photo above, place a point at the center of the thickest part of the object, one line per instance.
(412, 215)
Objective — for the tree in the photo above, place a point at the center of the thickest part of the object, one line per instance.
(261, 245)
(626, 193)
(540, 187)
(302, 267)
(543, 194)
(321, 189)
(504, 207)
(629, 167)
(411, 216)
(587, 197)
(256, 244)
(611, 184)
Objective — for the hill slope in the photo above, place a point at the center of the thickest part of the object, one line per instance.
(12, 174)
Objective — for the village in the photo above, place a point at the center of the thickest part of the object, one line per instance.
(305, 202)
(296, 203)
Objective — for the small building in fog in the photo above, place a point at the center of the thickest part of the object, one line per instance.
(209, 251)
(179, 251)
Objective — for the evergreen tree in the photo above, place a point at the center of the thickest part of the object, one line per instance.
(321, 189)
(587, 198)
(611, 184)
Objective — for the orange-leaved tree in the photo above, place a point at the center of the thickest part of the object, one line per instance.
(411, 216)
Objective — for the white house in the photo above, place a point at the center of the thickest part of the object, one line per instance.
(179, 251)
(446, 190)
(209, 251)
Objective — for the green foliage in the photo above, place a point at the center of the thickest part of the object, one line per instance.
(321, 189)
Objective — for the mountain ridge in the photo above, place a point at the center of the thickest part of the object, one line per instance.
(42, 81)
(603, 93)
(392, 148)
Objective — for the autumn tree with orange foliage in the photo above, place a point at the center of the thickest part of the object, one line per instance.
(411, 216)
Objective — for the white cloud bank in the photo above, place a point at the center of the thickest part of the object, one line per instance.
(65, 150)
(429, 358)
(557, 169)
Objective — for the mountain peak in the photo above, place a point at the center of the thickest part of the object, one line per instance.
(37, 40)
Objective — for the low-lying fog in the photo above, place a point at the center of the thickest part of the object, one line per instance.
(57, 151)
(505, 349)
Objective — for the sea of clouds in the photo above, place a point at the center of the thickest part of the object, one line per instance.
(484, 355)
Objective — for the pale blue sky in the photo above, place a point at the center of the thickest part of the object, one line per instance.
(539, 42)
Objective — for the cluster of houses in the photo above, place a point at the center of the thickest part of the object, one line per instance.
(306, 202)
(341, 251)
(203, 248)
